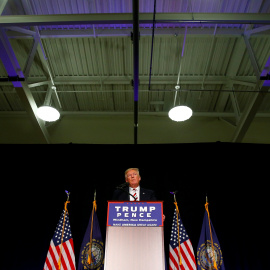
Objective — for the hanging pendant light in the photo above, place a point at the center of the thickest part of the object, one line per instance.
(180, 113)
(48, 113)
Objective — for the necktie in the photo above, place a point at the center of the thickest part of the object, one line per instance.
(135, 194)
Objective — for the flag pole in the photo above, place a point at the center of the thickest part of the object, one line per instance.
(178, 214)
(212, 245)
(89, 260)
(61, 246)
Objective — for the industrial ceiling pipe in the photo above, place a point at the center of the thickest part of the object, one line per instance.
(136, 65)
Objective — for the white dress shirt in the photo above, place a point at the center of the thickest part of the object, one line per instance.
(131, 191)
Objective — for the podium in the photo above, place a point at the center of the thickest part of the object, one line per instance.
(134, 236)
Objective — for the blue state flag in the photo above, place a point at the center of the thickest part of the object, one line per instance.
(92, 247)
(209, 255)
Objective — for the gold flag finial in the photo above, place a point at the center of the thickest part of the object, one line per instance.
(67, 194)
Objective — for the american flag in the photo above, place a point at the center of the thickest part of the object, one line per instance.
(61, 248)
(188, 261)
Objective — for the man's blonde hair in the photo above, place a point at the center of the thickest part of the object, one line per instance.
(135, 169)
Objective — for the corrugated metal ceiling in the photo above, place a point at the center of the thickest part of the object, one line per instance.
(217, 65)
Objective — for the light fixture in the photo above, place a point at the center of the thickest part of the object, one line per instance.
(180, 113)
(47, 112)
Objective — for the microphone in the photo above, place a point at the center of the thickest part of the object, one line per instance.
(123, 185)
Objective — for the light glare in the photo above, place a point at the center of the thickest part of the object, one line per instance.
(180, 113)
(48, 113)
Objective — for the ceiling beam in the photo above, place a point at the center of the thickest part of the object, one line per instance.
(252, 108)
(248, 115)
(30, 58)
(235, 105)
(233, 67)
(175, 31)
(30, 106)
(249, 81)
(41, 52)
(252, 57)
(157, 113)
(2, 5)
(258, 30)
(209, 57)
(70, 90)
(9, 59)
(13, 69)
(127, 18)
(22, 33)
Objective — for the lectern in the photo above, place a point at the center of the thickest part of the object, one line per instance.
(134, 236)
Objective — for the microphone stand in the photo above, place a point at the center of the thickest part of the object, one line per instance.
(121, 187)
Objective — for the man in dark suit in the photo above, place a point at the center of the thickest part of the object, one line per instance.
(133, 178)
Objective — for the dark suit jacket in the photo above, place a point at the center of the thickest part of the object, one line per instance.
(145, 195)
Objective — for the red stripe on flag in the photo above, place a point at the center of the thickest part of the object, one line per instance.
(172, 259)
(72, 246)
(63, 263)
(185, 258)
(190, 252)
(68, 255)
(71, 243)
(51, 251)
(48, 264)
(182, 267)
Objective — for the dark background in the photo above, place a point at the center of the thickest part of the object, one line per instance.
(234, 177)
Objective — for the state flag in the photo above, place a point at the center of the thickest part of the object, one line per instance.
(92, 247)
(209, 255)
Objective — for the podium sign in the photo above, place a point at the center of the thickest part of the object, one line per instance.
(134, 236)
(135, 214)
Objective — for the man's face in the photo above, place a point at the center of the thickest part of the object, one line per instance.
(133, 178)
